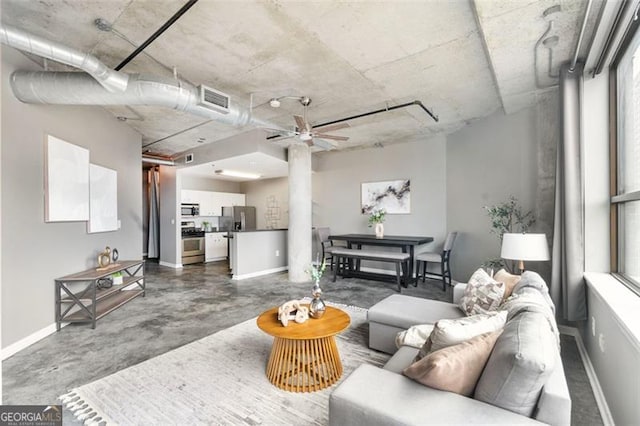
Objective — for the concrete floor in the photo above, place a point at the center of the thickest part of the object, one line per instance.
(187, 304)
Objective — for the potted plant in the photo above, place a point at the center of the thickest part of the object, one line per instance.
(376, 218)
(507, 217)
(205, 225)
(317, 306)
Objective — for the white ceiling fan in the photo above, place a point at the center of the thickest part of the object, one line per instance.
(313, 136)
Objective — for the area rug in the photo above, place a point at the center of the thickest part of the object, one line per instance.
(219, 379)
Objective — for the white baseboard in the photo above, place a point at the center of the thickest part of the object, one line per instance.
(601, 401)
(259, 273)
(23, 343)
(171, 265)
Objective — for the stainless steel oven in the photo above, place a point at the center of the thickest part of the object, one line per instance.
(192, 247)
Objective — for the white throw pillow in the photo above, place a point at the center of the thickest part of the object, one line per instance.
(449, 332)
(415, 336)
(483, 294)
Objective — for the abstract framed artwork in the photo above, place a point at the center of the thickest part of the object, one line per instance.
(393, 196)
(66, 181)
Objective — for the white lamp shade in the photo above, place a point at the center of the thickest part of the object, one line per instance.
(525, 247)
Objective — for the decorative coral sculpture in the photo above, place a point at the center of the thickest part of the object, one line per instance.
(293, 310)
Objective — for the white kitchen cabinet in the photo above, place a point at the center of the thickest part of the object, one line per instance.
(215, 247)
(188, 196)
(209, 205)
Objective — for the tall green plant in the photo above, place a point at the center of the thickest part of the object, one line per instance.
(507, 217)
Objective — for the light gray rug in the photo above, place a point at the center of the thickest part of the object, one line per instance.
(219, 379)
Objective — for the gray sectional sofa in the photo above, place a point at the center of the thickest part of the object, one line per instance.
(525, 358)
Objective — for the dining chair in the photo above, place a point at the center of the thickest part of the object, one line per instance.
(326, 244)
(441, 258)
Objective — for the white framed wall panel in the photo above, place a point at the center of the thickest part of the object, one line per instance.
(103, 200)
(66, 181)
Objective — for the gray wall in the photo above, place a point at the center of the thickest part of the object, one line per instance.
(339, 175)
(257, 193)
(487, 162)
(34, 253)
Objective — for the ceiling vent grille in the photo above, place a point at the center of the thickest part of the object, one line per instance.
(188, 158)
(213, 99)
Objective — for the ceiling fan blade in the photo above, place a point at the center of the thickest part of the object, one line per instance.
(332, 127)
(302, 125)
(335, 138)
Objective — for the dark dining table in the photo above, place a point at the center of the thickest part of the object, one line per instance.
(406, 243)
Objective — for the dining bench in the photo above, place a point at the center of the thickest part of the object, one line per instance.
(401, 260)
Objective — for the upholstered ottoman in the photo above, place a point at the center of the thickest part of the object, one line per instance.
(398, 312)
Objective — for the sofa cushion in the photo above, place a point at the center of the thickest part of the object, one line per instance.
(404, 311)
(415, 336)
(401, 359)
(532, 280)
(521, 362)
(509, 281)
(455, 368)
(375, 397)
(482, 294)
(451, 332)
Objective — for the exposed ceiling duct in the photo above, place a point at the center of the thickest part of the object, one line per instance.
(104, 86)
(112, 81)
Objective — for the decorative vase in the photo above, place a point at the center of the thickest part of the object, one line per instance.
(317, 306)
(379, 230)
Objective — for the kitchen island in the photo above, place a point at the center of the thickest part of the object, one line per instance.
(257, 252)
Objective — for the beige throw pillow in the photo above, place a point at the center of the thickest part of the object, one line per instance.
(509, 281)
(455, 368)
(449, 332)
(482, 294)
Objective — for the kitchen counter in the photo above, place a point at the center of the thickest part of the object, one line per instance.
(261, 230)
(257, 252)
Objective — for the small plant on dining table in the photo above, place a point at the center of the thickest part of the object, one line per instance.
(376, 216)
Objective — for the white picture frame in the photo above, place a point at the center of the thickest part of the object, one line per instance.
(66, 181)
(103, 199)
(394, 196)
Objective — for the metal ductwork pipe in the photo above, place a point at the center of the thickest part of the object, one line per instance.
(104, 86)
(73, 88)
(112, 81)
(158, 161)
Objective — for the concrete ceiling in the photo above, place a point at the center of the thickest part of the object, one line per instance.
(463, 59)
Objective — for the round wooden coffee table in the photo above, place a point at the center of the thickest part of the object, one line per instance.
(304, 357)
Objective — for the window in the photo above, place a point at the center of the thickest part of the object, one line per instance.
(626, 176)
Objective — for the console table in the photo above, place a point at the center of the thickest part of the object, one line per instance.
(92, 302)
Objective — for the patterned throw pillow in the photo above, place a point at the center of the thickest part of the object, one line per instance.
(509, 281)
(482, 294)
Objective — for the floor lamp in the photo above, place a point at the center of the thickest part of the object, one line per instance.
(523, 247)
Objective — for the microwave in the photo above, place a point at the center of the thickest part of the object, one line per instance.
(190, 209)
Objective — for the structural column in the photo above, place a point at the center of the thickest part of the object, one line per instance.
(299, 235)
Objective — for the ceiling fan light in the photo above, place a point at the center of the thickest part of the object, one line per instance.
(234, 173)
(274, 103)
(305, 136)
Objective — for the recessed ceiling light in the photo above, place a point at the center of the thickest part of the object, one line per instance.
(275, 103)
(233, 173)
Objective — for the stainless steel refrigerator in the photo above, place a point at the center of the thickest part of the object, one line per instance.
(241, 218)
